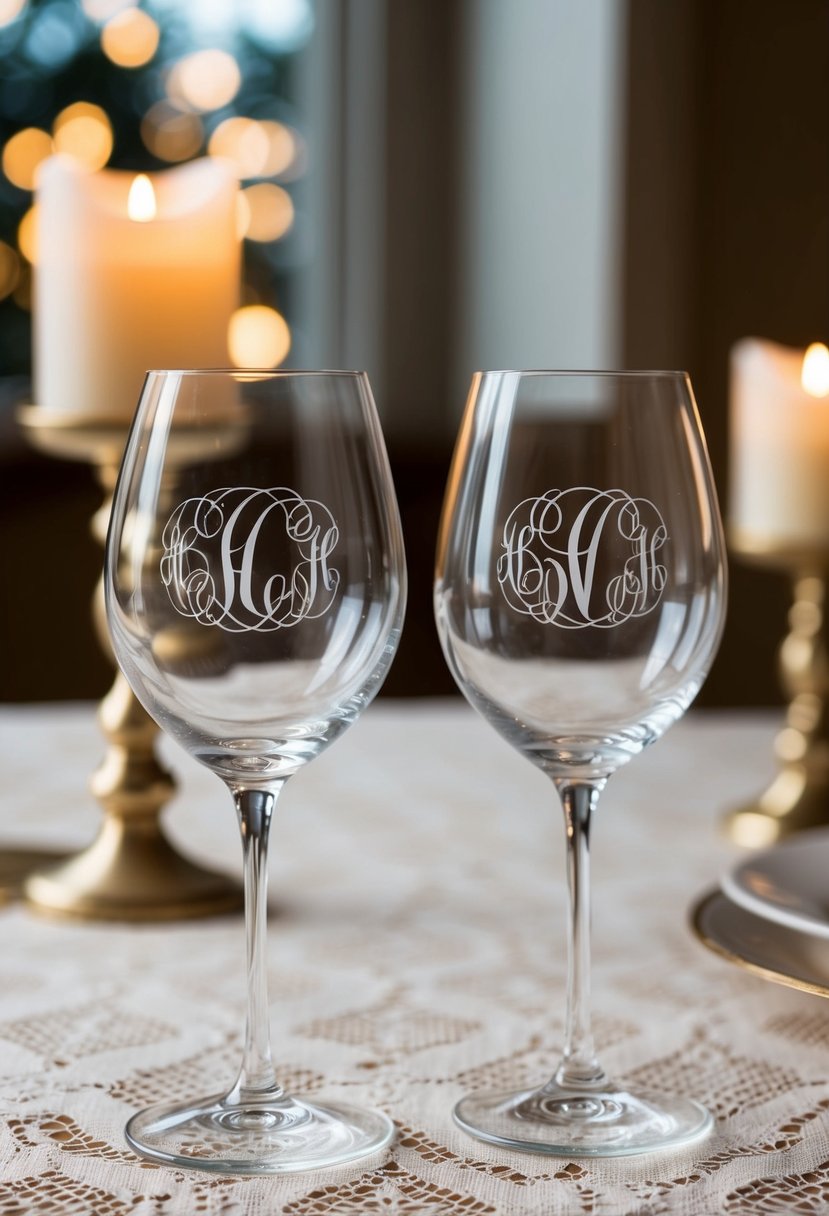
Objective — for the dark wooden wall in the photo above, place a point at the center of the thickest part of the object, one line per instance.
(727, 232)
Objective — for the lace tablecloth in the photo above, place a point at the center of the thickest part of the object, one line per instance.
(416, 951)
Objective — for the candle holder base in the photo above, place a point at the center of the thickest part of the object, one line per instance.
(131, 871)
(16, 865)
(127, 875)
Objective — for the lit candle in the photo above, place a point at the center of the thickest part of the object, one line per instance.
(132, 273)
(779, 482)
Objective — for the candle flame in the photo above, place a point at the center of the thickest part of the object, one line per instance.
(815, 373)
(141, 202)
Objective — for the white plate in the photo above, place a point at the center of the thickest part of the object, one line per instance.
(776, 952)
(788, 884)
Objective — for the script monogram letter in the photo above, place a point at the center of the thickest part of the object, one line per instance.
(582, 557)
(209, 565)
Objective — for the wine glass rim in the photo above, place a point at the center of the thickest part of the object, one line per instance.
(607, 373)
(258, 372)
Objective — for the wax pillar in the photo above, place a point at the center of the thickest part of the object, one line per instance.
(117, 293)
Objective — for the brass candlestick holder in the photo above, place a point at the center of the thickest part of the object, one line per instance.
(131, 871)
(798, 797)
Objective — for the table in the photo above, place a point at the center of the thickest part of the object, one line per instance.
(416, 950)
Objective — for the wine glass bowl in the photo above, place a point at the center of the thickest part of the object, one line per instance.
(580, 599)
(255, 587)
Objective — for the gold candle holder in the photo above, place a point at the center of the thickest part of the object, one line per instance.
(798, 796)
(17, 864)
(131, 871)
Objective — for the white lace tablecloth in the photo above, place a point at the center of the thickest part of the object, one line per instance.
(416, 951)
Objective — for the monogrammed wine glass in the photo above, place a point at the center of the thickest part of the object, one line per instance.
(580, 598)
(255, 586)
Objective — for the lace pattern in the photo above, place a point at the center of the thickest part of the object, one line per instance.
(416, 952)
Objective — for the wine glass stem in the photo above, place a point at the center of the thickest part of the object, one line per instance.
(257, 1080)
(579, 1066)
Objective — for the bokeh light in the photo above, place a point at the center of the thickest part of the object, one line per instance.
(22, 155)
(282, 27)
(258, 336)
(258, 148)
(269, 212)
(130, 39)
(282, 148)
(103, 10)
(9, 9)
(84, 131)
(54, 34)
(278, 26)
(9, 270)
(242, 141)
(171, 134)
(27, 235)
(204, 80)
(22, 294)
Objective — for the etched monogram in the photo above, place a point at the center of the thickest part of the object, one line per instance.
(249, 559)
(582, 557)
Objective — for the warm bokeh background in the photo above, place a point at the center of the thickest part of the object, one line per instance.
(462, 183)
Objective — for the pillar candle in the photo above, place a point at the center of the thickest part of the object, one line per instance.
(779, 485)
(116, 293)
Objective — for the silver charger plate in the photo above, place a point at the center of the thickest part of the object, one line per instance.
(765, 947)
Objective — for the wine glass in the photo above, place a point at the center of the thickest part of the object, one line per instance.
(255, 588)
(580, 596)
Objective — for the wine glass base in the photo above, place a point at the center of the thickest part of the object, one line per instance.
(609, 1122)
(272, 1137)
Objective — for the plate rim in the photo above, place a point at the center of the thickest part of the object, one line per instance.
(697, 911)
(800, 922)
